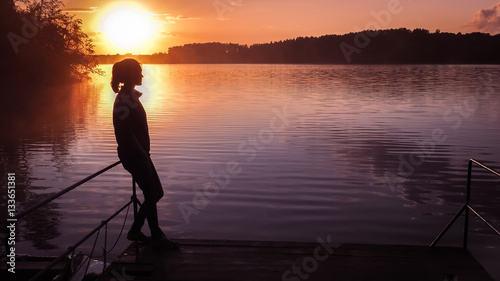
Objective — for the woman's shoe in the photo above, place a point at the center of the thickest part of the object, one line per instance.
(159, 239)
(138, 237)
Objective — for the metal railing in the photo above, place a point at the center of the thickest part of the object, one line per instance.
(467, 207)
(133, 200)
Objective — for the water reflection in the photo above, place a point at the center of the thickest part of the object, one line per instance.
(350, 128)
(36, 148)
(373, 121)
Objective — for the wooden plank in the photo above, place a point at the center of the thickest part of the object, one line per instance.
(263, 260)
(34, 265)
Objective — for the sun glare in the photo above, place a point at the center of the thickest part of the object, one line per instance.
(128, 28)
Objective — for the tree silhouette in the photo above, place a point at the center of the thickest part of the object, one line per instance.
(42, 45)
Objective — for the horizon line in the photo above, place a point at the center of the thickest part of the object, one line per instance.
(437, 31)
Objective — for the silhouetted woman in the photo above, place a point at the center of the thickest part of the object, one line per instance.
(132, 136)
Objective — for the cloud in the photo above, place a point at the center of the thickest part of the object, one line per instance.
(487, 20)
(165, 34)
(171, 19)
(81, 10)
(179, 17)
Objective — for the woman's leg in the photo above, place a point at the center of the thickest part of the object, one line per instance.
(145, 175)
(151, 197)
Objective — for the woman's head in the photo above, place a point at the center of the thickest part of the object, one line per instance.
(128, 72)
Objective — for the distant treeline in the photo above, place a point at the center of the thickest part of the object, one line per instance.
(393, 46)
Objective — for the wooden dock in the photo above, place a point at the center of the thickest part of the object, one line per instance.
(200, 260)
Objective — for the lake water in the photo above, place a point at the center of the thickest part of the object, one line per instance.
(366, 154)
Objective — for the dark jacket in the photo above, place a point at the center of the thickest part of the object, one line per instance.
(131, 126)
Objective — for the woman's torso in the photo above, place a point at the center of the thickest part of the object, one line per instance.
(130, 124)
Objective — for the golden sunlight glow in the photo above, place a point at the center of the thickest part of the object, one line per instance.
(128, 27)
(157, 96)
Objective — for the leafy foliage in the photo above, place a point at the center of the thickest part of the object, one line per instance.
(43, 44)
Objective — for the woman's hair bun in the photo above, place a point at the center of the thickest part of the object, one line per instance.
(124, 72)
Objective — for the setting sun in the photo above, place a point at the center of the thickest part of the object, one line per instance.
(128, 28)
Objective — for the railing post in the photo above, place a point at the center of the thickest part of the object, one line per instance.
(134, 198)
(467, 203)
(467, 208)
(104, 252)
(457, 215)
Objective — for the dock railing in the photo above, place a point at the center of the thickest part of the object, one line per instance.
(467, 207)
(133, 200)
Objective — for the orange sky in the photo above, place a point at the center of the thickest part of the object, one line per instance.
(177, 22)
